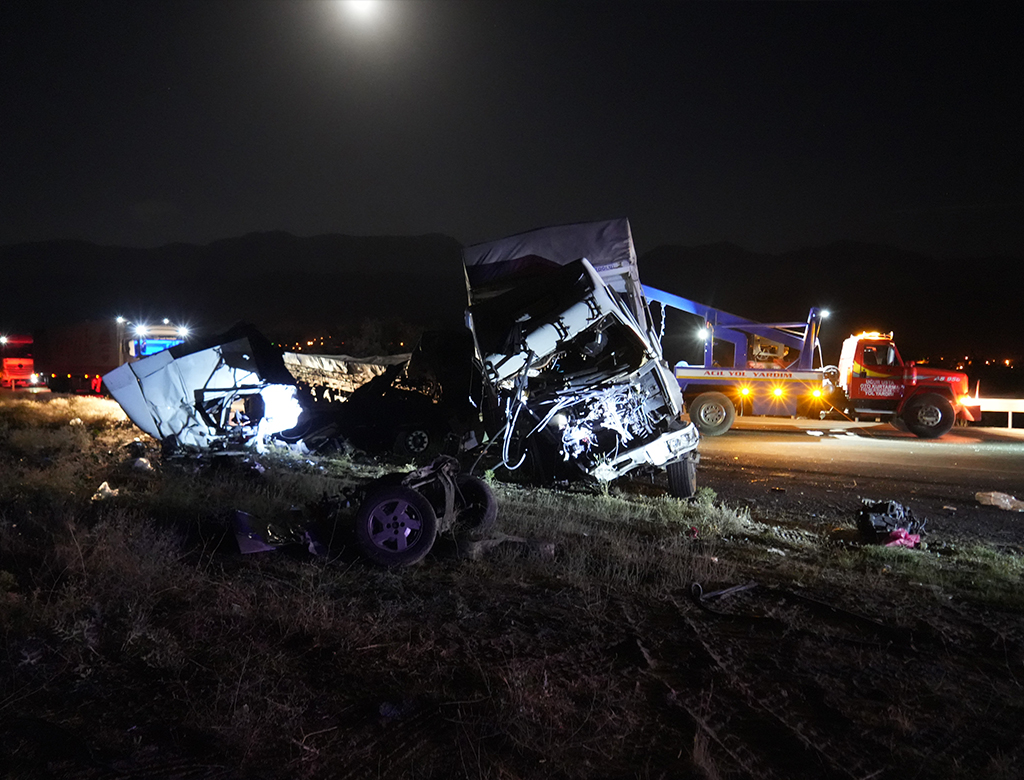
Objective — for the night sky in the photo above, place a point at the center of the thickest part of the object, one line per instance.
(770, 125)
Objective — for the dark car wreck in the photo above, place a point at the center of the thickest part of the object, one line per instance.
(559, 371)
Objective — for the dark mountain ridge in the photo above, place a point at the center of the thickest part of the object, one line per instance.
(279, 281)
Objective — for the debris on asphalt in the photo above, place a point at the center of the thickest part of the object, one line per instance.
(1000, 501)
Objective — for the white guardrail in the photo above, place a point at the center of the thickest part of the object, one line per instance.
(1008, 405)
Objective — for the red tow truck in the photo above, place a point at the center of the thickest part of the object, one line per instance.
(872, 380)
(769, 369)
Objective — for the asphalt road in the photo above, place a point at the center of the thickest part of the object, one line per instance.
(827, 469)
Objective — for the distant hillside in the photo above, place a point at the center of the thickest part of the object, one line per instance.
(934, 307)
(274, 280)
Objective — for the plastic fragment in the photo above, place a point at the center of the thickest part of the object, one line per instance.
(104, 491)
(900, 538)
(1000, 500)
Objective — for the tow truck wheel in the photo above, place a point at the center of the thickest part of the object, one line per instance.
(929, 416)
(395, 526)
(712, 413)
(682, 477)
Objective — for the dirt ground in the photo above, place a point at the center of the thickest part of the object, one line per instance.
(787, 648)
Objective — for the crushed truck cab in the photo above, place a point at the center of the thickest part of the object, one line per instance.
(563, 340)
(872, 380)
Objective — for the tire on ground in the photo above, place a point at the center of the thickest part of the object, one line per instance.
(395, 526)
(929, 416)
(682, 477)
(713, 413)
(478, 510)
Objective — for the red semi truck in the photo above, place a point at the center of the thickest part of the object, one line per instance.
(17, 366)
(770, 369)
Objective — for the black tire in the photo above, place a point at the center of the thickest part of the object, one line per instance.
(395, 526)
(413, 442)
(712, 413)
(929, 416)
(478, 510)
(682, 477)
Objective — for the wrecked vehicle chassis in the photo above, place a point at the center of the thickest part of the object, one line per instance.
(401, 514)
(395, 522)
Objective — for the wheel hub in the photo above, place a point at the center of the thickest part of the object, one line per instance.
(712, 414)
(394, 527)
(417, 441)
(929, 415)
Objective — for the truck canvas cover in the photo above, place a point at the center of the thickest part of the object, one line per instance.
(496, 266)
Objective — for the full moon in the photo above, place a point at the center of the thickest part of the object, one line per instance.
(361, 8)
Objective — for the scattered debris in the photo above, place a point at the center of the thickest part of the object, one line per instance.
(889, 523)
(900, 538)
(477, 549)
(1000, 501)
(103, 492)
(249, 540)
(143, 465)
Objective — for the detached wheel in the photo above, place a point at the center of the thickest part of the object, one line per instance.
(712, 413)
(479, 508)
(395, 526)
(929, 416)
(682, 477)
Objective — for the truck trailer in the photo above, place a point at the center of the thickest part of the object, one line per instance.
(776, 369)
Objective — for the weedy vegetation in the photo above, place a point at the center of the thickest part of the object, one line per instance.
(614, 634)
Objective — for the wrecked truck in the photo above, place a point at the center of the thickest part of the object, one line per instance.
(233, 393)
(565, 345)
(560, 371)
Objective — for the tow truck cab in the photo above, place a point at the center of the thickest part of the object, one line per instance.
(875, 381)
